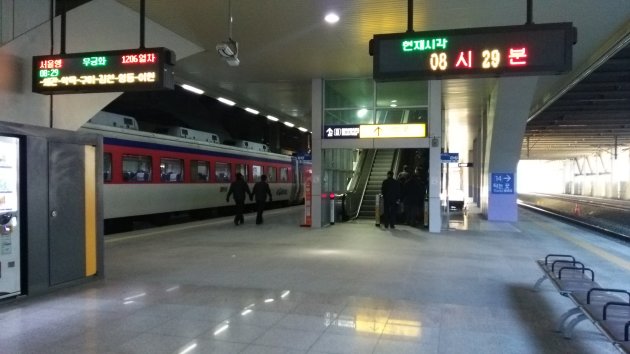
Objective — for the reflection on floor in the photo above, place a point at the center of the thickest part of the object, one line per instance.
(212, 287)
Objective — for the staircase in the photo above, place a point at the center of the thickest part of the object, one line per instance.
(382, 164)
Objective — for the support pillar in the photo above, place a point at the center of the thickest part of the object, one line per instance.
(507, 115)
(317, 117)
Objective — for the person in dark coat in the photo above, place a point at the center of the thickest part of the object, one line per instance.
(240, 189)
(260, 192)
(412, 196)
(391, 197)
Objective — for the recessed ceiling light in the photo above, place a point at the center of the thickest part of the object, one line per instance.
(393, 105)
(362, 112)
(251, 110)
(226, 101)
(302, 129)
(289, 124)
(331, 18)
(192, 89)
(273, 118)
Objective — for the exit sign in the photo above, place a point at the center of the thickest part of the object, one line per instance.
(474, 52)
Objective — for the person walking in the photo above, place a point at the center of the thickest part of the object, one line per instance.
(260, 192)
(240, 189)
(391, 197)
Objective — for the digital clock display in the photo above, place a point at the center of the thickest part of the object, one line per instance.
(120, 70)
(475, 52)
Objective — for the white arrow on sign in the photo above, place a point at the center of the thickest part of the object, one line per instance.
(507, 178)
(329, 132)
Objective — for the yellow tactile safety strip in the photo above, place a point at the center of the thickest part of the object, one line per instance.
(90, 210)
(620, 262)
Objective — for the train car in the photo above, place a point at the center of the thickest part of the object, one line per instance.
(153, 174)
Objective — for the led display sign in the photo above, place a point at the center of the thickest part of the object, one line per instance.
(474, 52)
(120, 70)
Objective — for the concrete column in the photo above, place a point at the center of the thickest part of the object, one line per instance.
(435, 164)
(317, 117)
(508, 111)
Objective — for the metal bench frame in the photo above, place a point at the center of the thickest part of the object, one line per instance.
(602, 306)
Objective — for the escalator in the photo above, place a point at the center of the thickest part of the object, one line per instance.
(383, 162)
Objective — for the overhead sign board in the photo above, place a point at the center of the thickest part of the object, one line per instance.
(105, 71)
(502, 183)
(373, 131)
(341, 131)
(449, 157)
(474, 52)
(393, 131)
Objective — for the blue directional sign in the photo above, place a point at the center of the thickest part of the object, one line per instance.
(502, 183)
(449, 157)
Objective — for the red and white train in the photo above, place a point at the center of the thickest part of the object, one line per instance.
(148, 173)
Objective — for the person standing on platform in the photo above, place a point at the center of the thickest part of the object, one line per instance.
(260, 192)
(391, 197)
(240, 189)
(412, 196)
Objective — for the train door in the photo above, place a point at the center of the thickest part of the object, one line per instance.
(66, 212)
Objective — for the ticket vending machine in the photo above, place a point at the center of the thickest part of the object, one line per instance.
(10, 274)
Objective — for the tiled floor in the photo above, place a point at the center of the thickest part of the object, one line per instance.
(212, 287)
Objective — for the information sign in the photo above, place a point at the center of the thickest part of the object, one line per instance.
(341, 131)
(119, 70)
(373, 131)
(449, 157)
(502, 183)
(474, 52)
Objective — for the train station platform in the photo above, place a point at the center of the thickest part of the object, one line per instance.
(213, 287)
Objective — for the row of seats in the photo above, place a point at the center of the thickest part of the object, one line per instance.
(608, 309)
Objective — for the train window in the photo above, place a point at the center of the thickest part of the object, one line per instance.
(284, 174)
(199, 171)
(171, 170)
(107, 167)
(222, 171)
(257, 171)
(242, 168)
(271, 174)
(136, 168)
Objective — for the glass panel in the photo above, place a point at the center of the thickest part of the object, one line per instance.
(242, 168)
(107, 167)
(171, 170)
(222, 172)
(355, 93)
(199, 171)
(284, 174)
(271, 174)
(402, 93)
(257, 171)
(136, 168)
(401, 116)
(348, 116)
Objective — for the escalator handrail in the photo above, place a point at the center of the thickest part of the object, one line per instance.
(363, 172)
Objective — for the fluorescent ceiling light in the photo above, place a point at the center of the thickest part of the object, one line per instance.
(193, 89)
(251, 110)
(393, 105)
(302, 129)
(362, 112)
(273, 118)
(226, 101)
(331, 18)
(289, 124)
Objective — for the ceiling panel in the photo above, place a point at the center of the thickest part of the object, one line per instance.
(283, 44)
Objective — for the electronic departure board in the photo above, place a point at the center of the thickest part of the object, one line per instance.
(474, 52)
(120, 70)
